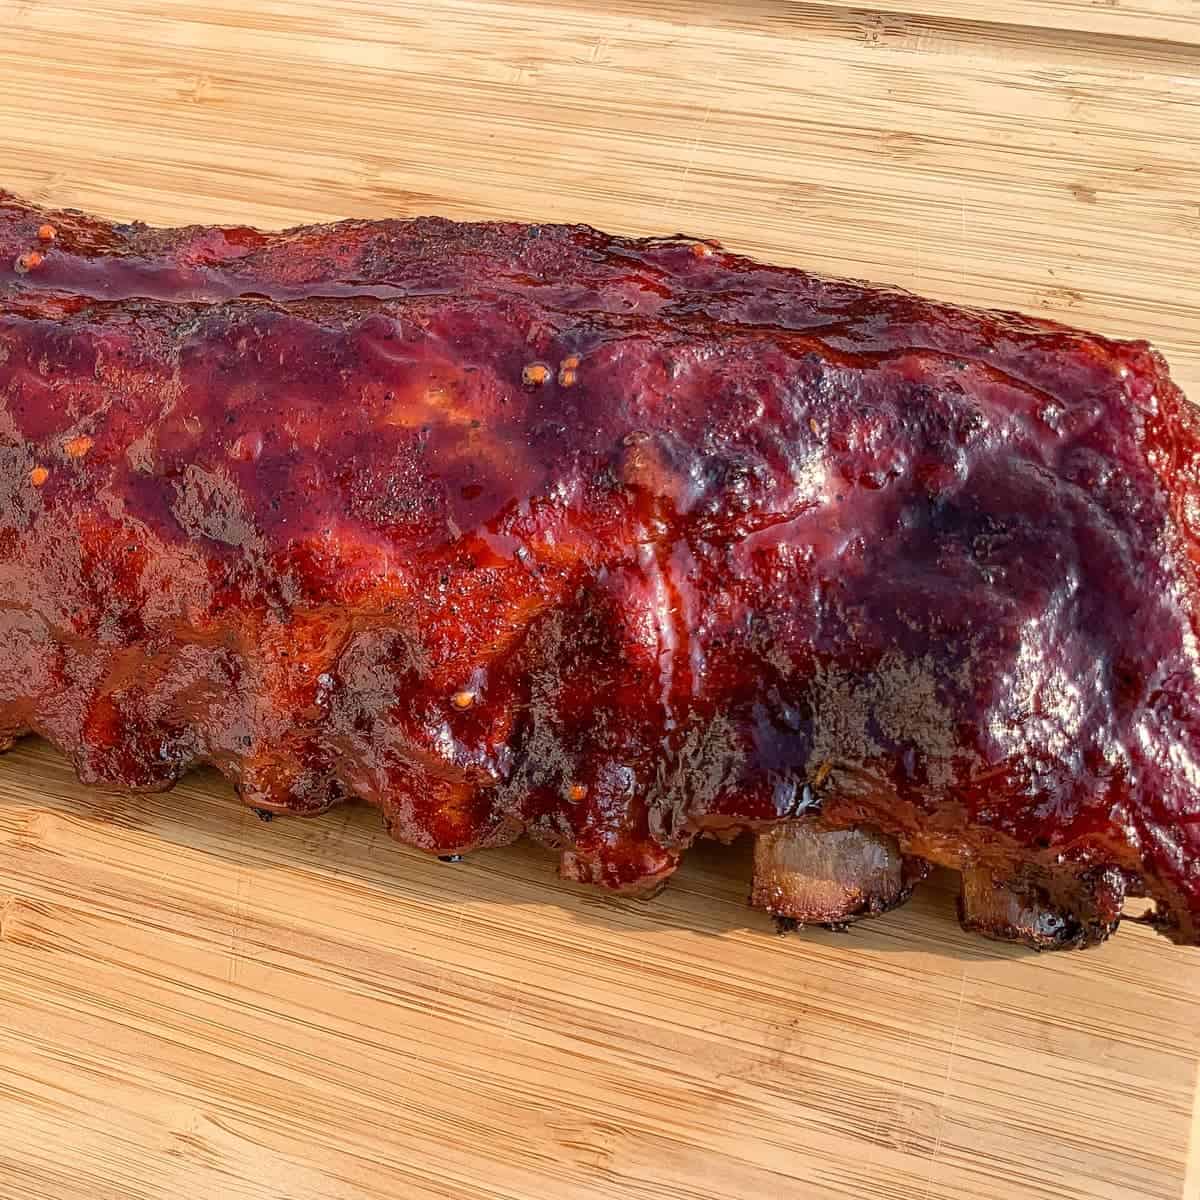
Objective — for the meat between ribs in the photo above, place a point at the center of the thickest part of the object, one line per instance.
(515, 529)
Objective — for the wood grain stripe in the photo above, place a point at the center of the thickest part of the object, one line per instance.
(193, 1003)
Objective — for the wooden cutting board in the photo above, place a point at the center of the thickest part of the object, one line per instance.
(195, 1004)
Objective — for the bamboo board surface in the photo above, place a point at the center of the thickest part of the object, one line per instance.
(194, 1004)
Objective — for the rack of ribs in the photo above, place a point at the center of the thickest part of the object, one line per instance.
(617, 543)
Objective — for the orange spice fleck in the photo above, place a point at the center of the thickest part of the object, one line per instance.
(535, 374)
(571, 361)
(29, 261)
(822, 773)
(463, 699)
(812, 424)
(77, 447)
(702, 250)
(47, 233)
(38, 476)
(577, 791)
(567, 377)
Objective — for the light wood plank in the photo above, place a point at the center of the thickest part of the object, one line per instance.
(194, 1004)
(1139, 20)
(1191, 1183)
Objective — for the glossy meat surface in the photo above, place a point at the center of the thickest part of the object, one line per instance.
(614, 542)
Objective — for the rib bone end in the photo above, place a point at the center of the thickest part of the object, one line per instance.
(1022, 911)
(811, 876)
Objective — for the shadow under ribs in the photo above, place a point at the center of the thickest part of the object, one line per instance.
(616, 543)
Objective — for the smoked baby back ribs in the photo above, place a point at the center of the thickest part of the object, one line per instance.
(617, 543)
